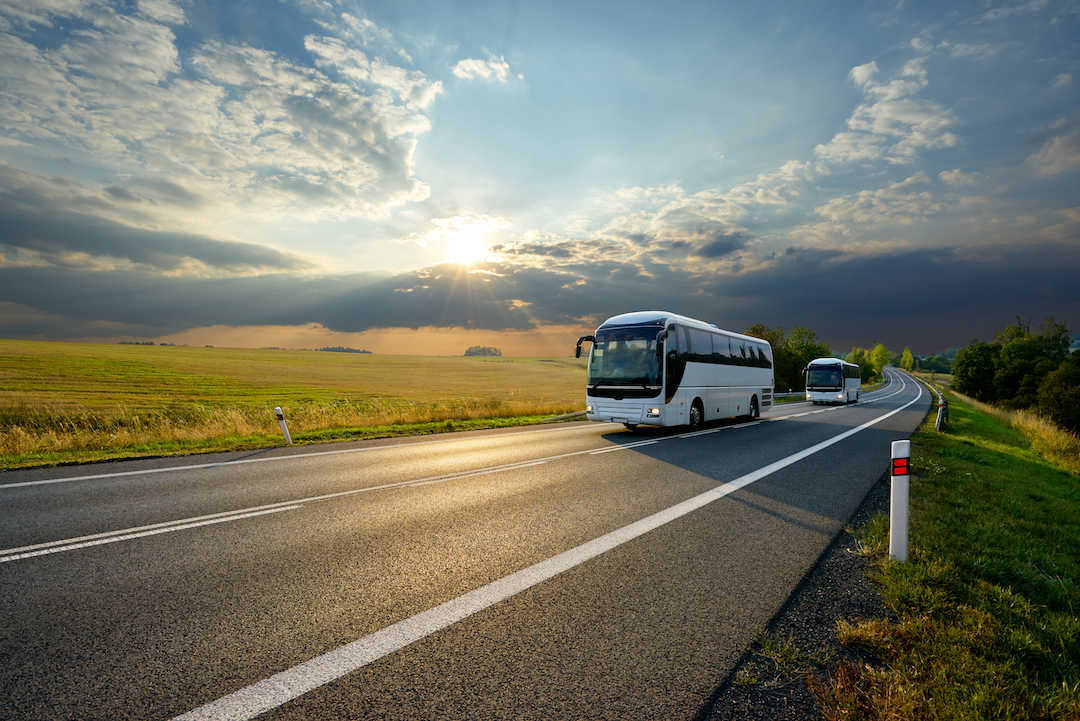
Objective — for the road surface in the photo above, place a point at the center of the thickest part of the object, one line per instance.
(567, 571)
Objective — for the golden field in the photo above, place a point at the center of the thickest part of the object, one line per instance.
(65, 402)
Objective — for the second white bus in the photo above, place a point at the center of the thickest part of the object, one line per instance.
(831, 380)
(661, 369)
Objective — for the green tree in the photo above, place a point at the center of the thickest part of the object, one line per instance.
(1026, 358)
(1059, 394)
(792, 350)
(974, 369)
(880, 358)
(907, 361)
(861, 357)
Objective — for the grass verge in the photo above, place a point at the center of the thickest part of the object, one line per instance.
(987, 605)
(254, 441)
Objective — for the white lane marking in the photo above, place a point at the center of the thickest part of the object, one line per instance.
(216, 464)
(728, 428)
(250, 701)
(624, 446)
(129, 536)
(470, 474)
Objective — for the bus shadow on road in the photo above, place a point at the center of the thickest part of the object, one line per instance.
(817, 493)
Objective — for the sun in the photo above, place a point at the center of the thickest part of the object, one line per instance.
(465, 239)
(466, 247)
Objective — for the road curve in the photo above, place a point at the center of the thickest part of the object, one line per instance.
(553, 572)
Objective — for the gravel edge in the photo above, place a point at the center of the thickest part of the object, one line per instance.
(799, 643)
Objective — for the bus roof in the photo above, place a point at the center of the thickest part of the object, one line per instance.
(663, 318)
(829, 361)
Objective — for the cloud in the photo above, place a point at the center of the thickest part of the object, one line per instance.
(494, 68)
(958, 177)
(1058, 155)
(112, 86)
(861, 74)
(1008, 11)
(891, 122)
(837, 293)
(1062, 80)
(63, 224)
(897, 203)
(851, 147)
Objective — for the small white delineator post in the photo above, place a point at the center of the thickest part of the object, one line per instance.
(898, 500)
(284, 428)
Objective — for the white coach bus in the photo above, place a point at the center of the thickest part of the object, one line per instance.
(661, 369)
(831, 380)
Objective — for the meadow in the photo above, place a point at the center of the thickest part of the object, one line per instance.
(68, 402)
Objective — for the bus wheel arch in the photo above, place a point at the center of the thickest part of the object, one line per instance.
(755, 407)
(697, 414)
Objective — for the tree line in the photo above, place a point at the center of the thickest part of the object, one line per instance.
(1024, 369)
(793, 349)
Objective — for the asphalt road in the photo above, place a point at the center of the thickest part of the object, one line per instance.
(568, 571)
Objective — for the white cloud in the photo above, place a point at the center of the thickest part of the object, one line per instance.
(898, 203)
(245, 124)
(165, 11)
(494, 68)
(958, 177)
(1008, 11)
(861, 74)
(1062, 80)
(850, 147)
(1059, 155)
(980, 51)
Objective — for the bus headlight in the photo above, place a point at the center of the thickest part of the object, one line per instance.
(653, 413)
(588, 409)
(840, 396)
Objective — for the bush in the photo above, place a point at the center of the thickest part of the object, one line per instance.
(1059, 394)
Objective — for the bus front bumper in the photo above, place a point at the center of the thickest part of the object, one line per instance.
(607, 411)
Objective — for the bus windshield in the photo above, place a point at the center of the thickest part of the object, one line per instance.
(824, 377)
(625, 356)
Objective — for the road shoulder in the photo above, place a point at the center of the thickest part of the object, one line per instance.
(773, 679)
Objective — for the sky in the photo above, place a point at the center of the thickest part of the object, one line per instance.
(421, 177)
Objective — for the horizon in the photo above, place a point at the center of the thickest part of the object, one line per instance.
(384, 174)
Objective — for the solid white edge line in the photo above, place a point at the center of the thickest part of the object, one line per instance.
(250, 701)
(129, 536)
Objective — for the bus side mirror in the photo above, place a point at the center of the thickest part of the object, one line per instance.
(582, 339)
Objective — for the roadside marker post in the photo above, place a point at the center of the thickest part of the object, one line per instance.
(284, 428)
(898, 500)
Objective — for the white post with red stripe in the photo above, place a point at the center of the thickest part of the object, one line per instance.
(898, 500)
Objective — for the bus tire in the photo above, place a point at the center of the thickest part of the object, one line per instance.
(697, 414)
(754, 410)
(631, 426)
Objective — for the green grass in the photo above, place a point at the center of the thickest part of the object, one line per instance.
(988, 603)
(71, 402)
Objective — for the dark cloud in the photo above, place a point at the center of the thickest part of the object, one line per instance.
(37, 223)
(721, 244)
(156, 192)
(550, 250)
(928, 299)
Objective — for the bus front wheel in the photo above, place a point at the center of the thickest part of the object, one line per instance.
(630, 426)
(697, 414)
(754, 412)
